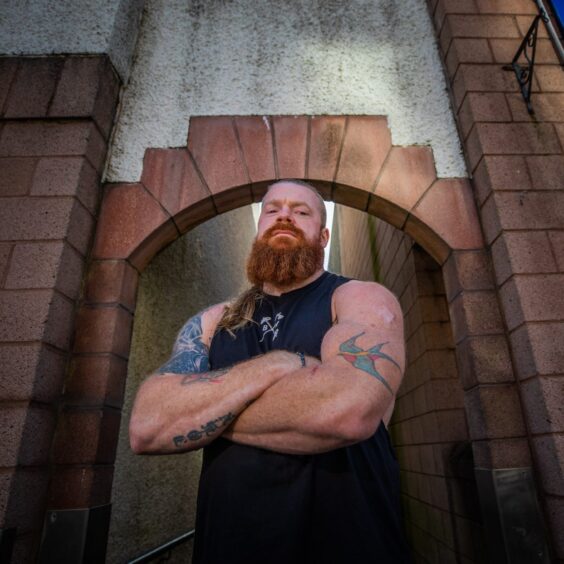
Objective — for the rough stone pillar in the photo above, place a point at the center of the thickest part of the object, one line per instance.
(517, 163)
(56, 114)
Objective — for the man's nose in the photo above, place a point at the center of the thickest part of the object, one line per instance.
(285, 214)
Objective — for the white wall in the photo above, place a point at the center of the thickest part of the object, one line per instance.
(42, 27)
(223, 57)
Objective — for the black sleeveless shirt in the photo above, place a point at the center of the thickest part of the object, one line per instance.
(256, 505)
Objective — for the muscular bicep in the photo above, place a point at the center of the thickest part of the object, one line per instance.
(368, 336)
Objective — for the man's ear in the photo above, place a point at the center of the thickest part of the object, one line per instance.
(324, 237)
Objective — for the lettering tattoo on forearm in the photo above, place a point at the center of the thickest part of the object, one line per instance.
(365, 359)
(189, 354)
(209, 429)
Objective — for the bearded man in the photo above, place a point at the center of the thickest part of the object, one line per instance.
(289, 390)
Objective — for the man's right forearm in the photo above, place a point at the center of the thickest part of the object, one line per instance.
(182, 412)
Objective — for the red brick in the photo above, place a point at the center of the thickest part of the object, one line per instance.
(445, 37)
(550, 78)
(547, 172)
(502, 453)
(440, 364)
(500, 173)
(290, 139)
(506, 7)
(448, 208)
(504, 50)
(37, 218)
(16, 176)
(537, 349)
(557, 243)
(111, 281)
(366, 145)
(35, 372)
(213, 144)
(549, 455)
(467, 51)
(67, 176)
(530, 210)
(482, 107)
(26, 545)
(481, 78)
(129, 215)
(467, 270)
(33, 87)
(103, 330)
(484, 360)
(255, 135)
(170, 175)
(482, 26)
(325, 145)
(494, 412)
(77, 487)
(87, 88)
(25, 315)
(490, 220)
(560, 132)
(43, 138)
(445, 7)
(450, 426)
(510, 138)
(406, 174)
(380, 207)
(5, 254)
(522, 252)
(475, 313)
(548, 107)
(25, 435)
(96, 381)
(45, 265)
(533, 298)
(425, 236)
(155, 242)
(542, 400)
(86, 436)
(8, 68)
(524, 23)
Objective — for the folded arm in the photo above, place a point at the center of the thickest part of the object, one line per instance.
(184, 406)
(343, 400)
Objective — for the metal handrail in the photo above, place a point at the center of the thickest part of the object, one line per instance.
(163, 548)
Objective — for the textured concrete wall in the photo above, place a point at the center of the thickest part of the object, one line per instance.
(72, 26)
(154, 498)
(284, 57)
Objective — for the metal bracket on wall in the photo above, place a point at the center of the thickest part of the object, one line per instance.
(511, 516)
(527, 49)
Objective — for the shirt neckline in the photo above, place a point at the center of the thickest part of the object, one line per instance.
(298, 291)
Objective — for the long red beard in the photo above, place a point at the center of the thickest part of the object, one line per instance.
(283, 262)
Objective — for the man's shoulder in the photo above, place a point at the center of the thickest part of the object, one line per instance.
(358, 293)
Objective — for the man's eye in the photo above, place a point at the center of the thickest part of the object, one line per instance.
(303, 212)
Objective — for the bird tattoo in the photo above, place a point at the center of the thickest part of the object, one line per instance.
(365, 359)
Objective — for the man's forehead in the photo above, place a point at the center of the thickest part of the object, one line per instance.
(292, 192)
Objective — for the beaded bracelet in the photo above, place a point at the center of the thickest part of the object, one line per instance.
(302, 358)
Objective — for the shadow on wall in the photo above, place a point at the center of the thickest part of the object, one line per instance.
(154, 497)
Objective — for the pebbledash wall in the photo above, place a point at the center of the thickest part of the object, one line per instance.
(61, 419)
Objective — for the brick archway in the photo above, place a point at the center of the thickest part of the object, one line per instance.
(227, 163)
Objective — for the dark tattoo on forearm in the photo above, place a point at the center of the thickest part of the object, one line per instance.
(209, 429)
(366, 359)
(205, 377)
(189, 354)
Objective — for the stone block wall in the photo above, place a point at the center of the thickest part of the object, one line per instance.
(517, 163)
(56, 114)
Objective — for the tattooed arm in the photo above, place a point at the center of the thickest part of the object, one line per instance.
(184, 406)
(343, 400)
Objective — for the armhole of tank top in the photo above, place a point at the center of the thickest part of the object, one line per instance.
(342, 280)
